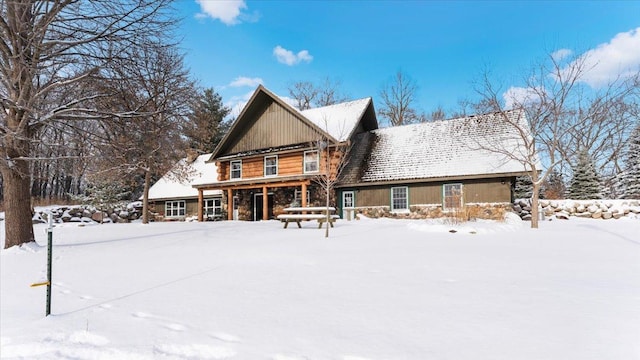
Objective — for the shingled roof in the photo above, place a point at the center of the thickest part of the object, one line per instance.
(169, 187)
(435, 150)
(339, 120)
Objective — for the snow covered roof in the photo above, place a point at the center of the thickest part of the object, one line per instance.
(440, 149)
(338, 120)
(169, 187)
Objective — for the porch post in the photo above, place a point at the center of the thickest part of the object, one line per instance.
(304, 195)
(229, 204)
(200, 205)
(265, 204)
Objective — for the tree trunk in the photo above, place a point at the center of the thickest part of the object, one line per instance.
(145, 197)
(534, 199)
(17, 204)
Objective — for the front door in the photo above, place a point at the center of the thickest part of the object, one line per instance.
(258, 202)
(348, 204)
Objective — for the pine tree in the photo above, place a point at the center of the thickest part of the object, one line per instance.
(630, 177)
(207, 125)
(523, 187)
(585, 184)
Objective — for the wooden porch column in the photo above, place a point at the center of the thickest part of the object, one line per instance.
(303, 203)
(229, 204)
(200, 205)
(265, 203)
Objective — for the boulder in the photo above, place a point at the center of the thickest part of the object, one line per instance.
(562, 215)
(597, 214)
(607, 215)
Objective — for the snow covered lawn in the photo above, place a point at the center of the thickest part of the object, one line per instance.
(375, 289)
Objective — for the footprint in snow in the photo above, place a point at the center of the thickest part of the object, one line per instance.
(175, 327)
(142, 315)
(225, 337)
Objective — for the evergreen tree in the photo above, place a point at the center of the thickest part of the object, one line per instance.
(554, 186)
(585, 184)
(207, 125)
(523, 187)
(630, 177)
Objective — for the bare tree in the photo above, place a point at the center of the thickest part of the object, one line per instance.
(333, 160)
(553, 106)
(304, 93)
(398, 97)
(309, 95)
(158, 90)
(48, 50)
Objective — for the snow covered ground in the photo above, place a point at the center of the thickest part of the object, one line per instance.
(375, 289)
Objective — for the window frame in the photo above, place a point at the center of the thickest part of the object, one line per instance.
(175, 208)
(445, 203)
(275, 166)
(316, 161)
(393, 199)
(216, 206)
(231, 169)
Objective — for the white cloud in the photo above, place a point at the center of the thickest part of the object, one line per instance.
(237, 103)
(227, 11)
(288, 57)
(515, 96)
(242, 81)
(561, 54)
(620, 57)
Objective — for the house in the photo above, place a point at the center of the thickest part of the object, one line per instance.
(273, 153)
(274, 156)
(429, 169)
(174, 198)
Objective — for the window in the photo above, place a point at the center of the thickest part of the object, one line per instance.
(174, 208)
(271, 165)
(298, 197)
(311, 161)
(236, 169)
(213, 207)
(399, 198)
(451, 196)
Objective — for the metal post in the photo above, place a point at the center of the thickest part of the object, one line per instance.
(49, 260)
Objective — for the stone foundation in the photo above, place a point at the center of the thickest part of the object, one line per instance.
(467, 213)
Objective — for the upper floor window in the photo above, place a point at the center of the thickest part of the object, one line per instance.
(236, 169)
(311, 161)
(451, 196)
(271, 165)
(399, 198)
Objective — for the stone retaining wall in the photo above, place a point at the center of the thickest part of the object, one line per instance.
(594, 209)
(85, 213)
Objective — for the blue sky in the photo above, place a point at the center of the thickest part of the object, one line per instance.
(444, 46)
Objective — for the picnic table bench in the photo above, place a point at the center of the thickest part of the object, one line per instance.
(298, 214)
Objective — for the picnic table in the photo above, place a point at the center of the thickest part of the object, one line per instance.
(298, 214)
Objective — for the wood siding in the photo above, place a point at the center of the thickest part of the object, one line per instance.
(475, 191)
(289, 164)
(274, 127)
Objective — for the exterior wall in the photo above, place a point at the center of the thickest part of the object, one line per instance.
(483, 198)
(289, 164)
(282, 197)
(274, 127)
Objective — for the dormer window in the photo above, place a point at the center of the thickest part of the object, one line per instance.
(311, 161)
(236, 169)
(271, 165)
